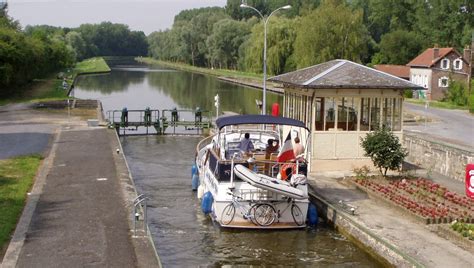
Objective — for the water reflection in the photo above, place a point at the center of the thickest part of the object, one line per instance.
(139, 86)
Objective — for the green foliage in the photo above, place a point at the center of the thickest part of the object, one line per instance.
(385, 150)
(457, 93)
(446, 23)
(465, 229)
(333, 31)
(281, 35)
(112, 39)
(223, 44)
(16, 178)
(398, 47)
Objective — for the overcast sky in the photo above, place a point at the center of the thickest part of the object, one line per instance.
(141, 15)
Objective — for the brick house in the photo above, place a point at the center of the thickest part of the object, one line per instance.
(435, 68)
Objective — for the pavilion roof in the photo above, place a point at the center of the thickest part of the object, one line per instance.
(342, 74)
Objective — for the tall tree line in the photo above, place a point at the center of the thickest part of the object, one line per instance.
(38, 51)
(313, 31)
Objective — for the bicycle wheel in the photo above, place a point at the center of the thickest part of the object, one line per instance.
(265, 214)
(228, 214)
(298, 215)
(252, 213)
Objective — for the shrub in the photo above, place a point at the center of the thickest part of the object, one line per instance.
(457, 93)
(362, 172)
(385, 150)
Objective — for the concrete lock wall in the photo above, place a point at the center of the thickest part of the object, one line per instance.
(435, 156)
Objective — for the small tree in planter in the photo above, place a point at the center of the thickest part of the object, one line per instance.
(385, 150)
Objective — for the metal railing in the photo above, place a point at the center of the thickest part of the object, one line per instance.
(140, 213)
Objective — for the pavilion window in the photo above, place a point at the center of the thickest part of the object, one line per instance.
(375, 113)
(347, 114)
(319, 114)
(365, 114)
(329, 113)
(387, 112)
(397, 114)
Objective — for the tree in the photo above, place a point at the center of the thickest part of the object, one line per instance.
(329, 32)
(225, 41)
(281, 35)
(446, 23)
(75, 40)
(398, 47)
(385, 150)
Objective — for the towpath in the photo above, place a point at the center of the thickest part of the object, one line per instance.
(78, 212)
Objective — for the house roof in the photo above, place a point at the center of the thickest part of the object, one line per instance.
(401, 71)
(342, 74)
(427, 59)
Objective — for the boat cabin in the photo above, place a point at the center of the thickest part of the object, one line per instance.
(341, 101)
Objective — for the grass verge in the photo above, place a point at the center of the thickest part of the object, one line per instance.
(214, 72)
(92, 65)
(50, 88)
(16, 178)
(437, 104)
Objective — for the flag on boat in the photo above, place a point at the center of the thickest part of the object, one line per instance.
(286, 152)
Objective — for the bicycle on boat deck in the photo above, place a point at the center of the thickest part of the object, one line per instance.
(260, 213)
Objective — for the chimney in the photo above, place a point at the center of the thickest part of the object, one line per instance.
(467, 54)
(435, 51)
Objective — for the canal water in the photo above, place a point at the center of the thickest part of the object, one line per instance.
(161, 168)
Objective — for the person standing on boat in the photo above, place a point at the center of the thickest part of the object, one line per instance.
(298, 148)
(272, 147)
(246, 145)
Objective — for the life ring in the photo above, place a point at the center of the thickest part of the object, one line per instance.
(284, 167)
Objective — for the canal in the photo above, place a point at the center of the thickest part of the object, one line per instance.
(161, 168)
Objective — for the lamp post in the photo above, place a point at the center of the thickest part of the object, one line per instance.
(265, 21)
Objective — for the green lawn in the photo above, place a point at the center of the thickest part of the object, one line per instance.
(92, 65)
(16, 178)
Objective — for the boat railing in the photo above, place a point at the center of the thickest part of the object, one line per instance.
(271, 167)
(256, 195)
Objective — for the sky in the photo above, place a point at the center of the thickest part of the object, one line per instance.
(140, 15)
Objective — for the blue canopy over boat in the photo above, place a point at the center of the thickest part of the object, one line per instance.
(257, 119)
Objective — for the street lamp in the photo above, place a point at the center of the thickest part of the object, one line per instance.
(265, 21)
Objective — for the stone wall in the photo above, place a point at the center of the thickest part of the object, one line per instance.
(435, 156)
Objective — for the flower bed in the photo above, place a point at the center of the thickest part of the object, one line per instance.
(427, 200)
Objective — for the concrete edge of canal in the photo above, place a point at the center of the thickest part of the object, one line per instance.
(381, 250)
(145, 251)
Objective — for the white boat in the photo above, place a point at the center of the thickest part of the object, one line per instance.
(246, 190)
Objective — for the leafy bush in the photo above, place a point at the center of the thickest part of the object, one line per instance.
(385, 150)
(465, 229)
(362, 172)
(457, 93)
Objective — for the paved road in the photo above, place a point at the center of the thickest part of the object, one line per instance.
(25, 131)
(454, 126)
